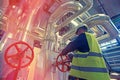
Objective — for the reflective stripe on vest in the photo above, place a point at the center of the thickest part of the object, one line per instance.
(89, 54)
(89, 69)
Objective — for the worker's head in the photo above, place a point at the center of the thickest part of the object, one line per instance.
(82, 29)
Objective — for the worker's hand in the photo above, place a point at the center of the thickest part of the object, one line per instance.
(62, 54)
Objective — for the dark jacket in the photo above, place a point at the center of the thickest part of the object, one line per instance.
(80, 44)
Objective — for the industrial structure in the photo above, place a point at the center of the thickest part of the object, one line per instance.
(33, 33)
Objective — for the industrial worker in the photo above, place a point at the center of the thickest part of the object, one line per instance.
(87, 62)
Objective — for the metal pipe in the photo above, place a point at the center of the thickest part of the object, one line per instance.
(105, 21)
(65, 7)
(62, 9)
(59, 12)
(88, 5)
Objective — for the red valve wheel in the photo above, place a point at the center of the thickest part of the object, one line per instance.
(19, 55)
(62, 63)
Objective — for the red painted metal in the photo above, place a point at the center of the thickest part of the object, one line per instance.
(19, 55)
(63, 63)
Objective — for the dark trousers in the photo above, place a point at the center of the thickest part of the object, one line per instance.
(74, 78)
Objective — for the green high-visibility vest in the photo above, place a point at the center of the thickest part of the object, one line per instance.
(89, 65)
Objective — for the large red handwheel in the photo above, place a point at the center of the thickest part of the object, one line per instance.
(62, 63)
(19, 55)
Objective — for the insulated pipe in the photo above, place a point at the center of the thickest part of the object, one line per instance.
(88, 5)
(62, 9)
(105, 21)
(65, 7)
(59, 12)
